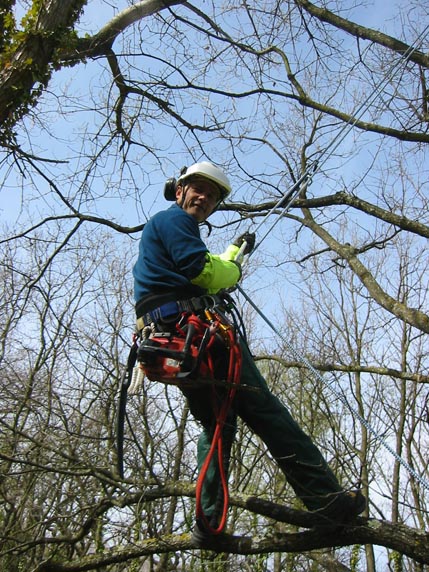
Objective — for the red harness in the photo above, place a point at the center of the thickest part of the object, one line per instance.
(185, 357)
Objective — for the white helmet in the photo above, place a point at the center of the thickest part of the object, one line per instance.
(208, 171)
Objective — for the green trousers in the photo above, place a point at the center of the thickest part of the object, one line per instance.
(298, 457)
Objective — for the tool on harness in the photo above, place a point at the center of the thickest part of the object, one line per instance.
(181, 352)
(174, 357)
(184, 355)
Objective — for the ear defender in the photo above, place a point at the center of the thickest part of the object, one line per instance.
(170, 189)
(171, 185)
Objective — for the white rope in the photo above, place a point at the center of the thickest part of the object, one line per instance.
(290, 195)
(286, 202)
(339, 395)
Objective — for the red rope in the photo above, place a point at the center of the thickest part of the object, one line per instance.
(233, 379)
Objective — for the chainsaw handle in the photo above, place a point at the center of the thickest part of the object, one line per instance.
(239, 257)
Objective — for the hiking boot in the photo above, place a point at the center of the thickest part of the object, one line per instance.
(201, 536)
(340, 509)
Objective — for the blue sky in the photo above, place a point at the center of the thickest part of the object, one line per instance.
(114, 203)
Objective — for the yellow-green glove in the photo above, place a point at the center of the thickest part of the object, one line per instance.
(219, 272)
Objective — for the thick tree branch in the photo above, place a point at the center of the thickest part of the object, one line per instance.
(411, 542)
(344, 198)
(340, 198)
(352, 368)
(411, 316)
(28, 66)
(101, 43)
(358, 31)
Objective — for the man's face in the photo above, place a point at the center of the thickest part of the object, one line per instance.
(201, 198)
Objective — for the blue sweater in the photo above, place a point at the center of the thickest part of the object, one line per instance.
(171, 254)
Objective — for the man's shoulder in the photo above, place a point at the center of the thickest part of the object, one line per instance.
(174, 215)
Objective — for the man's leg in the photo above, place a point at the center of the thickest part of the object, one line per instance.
(202, 404)
(212, 493)
(298, 457)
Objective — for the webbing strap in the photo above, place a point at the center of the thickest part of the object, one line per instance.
(174, 308)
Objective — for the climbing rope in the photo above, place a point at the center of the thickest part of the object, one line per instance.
(285, 204)
(233, 380)
(301, 358)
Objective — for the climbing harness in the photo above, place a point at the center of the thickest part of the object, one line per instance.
(184, 354)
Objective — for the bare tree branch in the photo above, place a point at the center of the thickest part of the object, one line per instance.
(358, 31)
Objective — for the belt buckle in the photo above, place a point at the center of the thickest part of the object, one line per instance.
(167, 313)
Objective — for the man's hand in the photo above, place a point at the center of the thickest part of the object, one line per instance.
(249, 238)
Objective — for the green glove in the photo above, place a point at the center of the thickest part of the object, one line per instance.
(218, 274)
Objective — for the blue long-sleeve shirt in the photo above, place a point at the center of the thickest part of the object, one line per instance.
(171, 254)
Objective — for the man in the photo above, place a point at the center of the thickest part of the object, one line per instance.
(174, 266)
